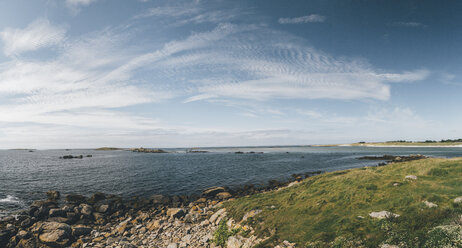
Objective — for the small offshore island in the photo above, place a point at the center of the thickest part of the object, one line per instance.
(412, 201)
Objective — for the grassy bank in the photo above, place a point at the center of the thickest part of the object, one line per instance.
(429, 144)
(333, 208)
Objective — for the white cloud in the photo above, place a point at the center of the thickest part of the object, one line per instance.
(77, 3)
(302, 19)
(36, 35)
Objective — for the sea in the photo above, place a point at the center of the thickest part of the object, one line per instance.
(25, 175)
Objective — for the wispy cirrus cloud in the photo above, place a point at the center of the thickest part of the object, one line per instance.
(302, 19)
(75, 5)
(40, 33)
(409, 24)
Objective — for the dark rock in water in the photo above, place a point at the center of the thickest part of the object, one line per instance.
(53, 195)
(239, 152)
(76, 199)
(97, 197)
(89, 156)
(71, 157)
(213, 191)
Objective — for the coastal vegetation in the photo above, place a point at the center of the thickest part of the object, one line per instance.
(333, 209)
(444, 142)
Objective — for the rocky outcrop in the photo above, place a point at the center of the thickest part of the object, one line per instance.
(146, 150)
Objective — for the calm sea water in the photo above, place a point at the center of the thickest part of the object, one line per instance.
(25, 176)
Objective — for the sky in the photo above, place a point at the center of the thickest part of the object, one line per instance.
(132, 73)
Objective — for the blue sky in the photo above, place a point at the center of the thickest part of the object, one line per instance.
(90, 73)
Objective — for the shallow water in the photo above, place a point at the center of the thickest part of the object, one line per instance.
(25, 176)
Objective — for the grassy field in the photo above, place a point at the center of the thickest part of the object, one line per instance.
(408, 144)
(332, 209)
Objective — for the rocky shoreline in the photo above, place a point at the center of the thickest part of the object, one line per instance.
(104, 220)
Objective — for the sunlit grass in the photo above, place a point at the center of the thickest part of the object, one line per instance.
(327, 206)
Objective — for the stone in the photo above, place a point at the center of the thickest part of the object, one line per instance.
(458, 200)
(224, 195)
(53, 195)
(383, 215)
(56, 212)
(234, 242)
(55, 234)
(176, 212)
(155, 224)
(23, 234)
(103, 208)
(26, 243)
(389, 246)
(251, 214)
(79, 230)
(172, 245)
(410, 177)
(216, 215)
(212, 192)
(430, 204)
(86, 209)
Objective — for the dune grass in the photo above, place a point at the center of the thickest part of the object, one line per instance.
(337, 204)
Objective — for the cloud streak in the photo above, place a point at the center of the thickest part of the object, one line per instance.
(39, 34)
(302, 19)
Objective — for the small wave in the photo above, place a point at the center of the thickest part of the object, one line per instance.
(10, 199)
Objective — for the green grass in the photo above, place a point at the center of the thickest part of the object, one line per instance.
(407, 144)
(326, 207)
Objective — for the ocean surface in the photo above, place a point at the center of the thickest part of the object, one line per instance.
(25, 176)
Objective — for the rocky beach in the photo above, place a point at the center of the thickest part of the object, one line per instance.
(104, 220)
(159, 221)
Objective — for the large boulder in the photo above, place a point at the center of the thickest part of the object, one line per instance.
(458, 200)
(54, 234)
